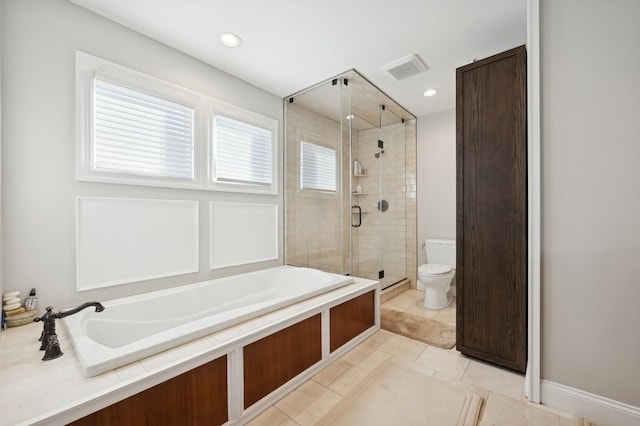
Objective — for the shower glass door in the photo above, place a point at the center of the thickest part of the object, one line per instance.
(391, 204)
(345, 208)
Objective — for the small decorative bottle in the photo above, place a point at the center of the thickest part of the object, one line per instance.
(31, 302)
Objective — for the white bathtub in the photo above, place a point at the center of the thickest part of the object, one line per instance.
(135, 327)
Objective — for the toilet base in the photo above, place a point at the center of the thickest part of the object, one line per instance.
(436, 299)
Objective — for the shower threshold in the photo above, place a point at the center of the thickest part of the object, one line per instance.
(392, 290)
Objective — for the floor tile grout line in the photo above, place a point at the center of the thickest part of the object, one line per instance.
(338, 376)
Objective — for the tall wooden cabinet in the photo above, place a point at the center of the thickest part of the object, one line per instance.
(491, 270)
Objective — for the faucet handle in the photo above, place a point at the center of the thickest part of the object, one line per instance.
(52, 351)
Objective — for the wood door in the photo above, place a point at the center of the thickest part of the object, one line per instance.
(491, 251)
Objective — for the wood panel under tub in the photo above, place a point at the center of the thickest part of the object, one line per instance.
(200, 396)
(351, 318)
(273, 360)
(197, 397)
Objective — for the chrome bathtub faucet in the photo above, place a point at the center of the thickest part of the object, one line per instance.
(50, 344)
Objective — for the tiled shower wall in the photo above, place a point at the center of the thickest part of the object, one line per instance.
(314, 220)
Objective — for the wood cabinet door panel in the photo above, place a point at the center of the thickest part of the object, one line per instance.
(492, 209)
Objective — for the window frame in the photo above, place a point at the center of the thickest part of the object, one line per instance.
(89, 67)
(220, 108)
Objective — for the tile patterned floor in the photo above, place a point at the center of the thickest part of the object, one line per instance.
(504, 404)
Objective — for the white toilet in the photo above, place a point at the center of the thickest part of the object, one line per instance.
(437, 274)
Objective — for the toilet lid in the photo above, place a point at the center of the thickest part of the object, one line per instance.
(434, 269)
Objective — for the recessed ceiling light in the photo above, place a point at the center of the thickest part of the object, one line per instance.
(430, 92)
(350, 116)
(230, 40)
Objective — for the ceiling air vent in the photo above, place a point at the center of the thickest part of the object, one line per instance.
(405, 67)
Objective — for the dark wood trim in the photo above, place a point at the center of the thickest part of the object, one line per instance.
(197, 397)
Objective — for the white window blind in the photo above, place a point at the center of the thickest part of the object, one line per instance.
(242, 153)
(138, 133)
(317, 167)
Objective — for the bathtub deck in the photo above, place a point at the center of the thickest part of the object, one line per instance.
(55, 392)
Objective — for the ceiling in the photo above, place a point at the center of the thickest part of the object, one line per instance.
(289, 45)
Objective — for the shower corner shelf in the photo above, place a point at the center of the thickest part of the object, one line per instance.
(363, 175)
(359, 193)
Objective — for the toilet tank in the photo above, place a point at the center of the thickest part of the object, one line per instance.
(441, 251)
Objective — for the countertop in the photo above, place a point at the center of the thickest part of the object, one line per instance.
(55, 392)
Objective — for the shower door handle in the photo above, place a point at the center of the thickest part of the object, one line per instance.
(359, 216)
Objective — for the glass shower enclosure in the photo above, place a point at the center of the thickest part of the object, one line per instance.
(345, 187)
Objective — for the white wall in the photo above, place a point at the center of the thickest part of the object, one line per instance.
(39, 188)
(590, 88)
(436, 178)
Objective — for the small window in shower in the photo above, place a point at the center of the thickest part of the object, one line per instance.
(317, 167)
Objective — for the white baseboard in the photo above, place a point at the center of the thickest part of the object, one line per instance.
(595, 407)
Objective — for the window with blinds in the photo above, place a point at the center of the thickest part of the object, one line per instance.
(141, 134)
(317, 167)
(135, 129)
(242, 153)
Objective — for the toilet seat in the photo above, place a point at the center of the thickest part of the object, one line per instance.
(434, 269)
